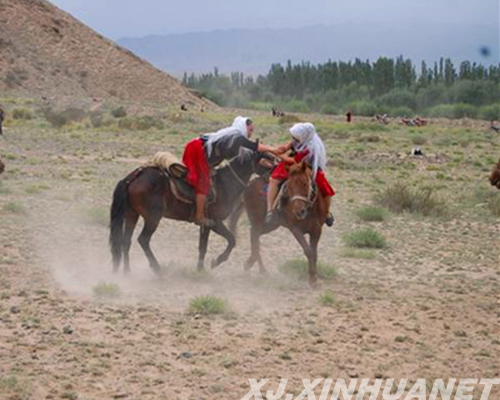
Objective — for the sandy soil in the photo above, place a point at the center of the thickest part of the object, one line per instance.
(425, 307)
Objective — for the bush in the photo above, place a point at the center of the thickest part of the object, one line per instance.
(442, 111)
(490, 113)
(207, 305)
(329, 109)
(22, 113)
(400, 112)
(119, 112)
(400, 198)
(296, 106)
(364, 254)
(363, 108)
(60, 118)
(97, 119)
(462, 110)
(327, 298)
(365, 238)
(373, 214)
(399, 98)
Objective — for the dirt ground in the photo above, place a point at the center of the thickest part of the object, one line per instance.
(427, 306)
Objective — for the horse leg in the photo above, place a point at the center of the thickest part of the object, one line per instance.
(309, 252)
(202, 248)
(150, 225)
(255, 246)
(313, 260)
(221, 229)
(131, 218)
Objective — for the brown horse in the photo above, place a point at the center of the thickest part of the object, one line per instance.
(303, 210)
(495, 176)
(147, 192)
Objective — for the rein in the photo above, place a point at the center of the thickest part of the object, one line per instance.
(240, 181)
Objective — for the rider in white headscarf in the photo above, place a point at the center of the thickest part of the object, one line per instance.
(207, 151)
(306, 145)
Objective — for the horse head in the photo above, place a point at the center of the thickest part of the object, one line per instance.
(300, 189)
(255, 162)
(495, 176)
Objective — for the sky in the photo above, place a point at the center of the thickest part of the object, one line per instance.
(137, 18)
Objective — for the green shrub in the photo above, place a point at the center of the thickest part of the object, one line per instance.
(13, 207)
(327, 298)
(22, 113)
(119, 112)
(365, 238)
(374, 214)
(400, 112)
(207, 305)
(462, 110)
(363, 108)
(400, 198)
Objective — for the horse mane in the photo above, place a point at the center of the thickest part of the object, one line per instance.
(300, 167)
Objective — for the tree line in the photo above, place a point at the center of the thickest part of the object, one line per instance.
(393, 86)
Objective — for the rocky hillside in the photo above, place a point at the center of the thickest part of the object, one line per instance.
(46, 52)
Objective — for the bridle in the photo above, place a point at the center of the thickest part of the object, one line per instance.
(310, 199)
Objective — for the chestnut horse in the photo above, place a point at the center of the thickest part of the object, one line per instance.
(303, 210)
(146, 192)
(495, 176)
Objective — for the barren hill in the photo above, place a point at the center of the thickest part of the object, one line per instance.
(45, 51)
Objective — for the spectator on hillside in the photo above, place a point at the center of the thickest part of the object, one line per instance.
(2, 116)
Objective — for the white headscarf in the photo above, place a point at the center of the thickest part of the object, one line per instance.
(308, 139)
(239, 126)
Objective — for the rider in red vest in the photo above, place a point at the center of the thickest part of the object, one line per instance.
(207, 151)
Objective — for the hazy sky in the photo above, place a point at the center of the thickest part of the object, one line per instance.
(119, 18)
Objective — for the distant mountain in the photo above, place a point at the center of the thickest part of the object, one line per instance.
(253, 51)
(45, 51)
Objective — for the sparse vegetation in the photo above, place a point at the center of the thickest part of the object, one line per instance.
(401, 198)
(365, 238)
(13, 207)
(364, 254)
(327, 298)
(297, 269)
(106, 290)
(207, 305)
(119, 112)
(372, 214)
(22, 113)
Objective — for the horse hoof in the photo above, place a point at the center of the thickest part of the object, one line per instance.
(248, 265)
(315, 284)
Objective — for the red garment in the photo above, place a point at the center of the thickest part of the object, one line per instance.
(195, 160)
(281, 173)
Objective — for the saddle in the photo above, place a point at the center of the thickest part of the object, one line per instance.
(177, 172)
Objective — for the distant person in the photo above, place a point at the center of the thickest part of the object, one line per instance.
(348, 116)
(2, 116)
(183, 107)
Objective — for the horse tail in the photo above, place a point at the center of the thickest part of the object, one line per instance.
(117, 218)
